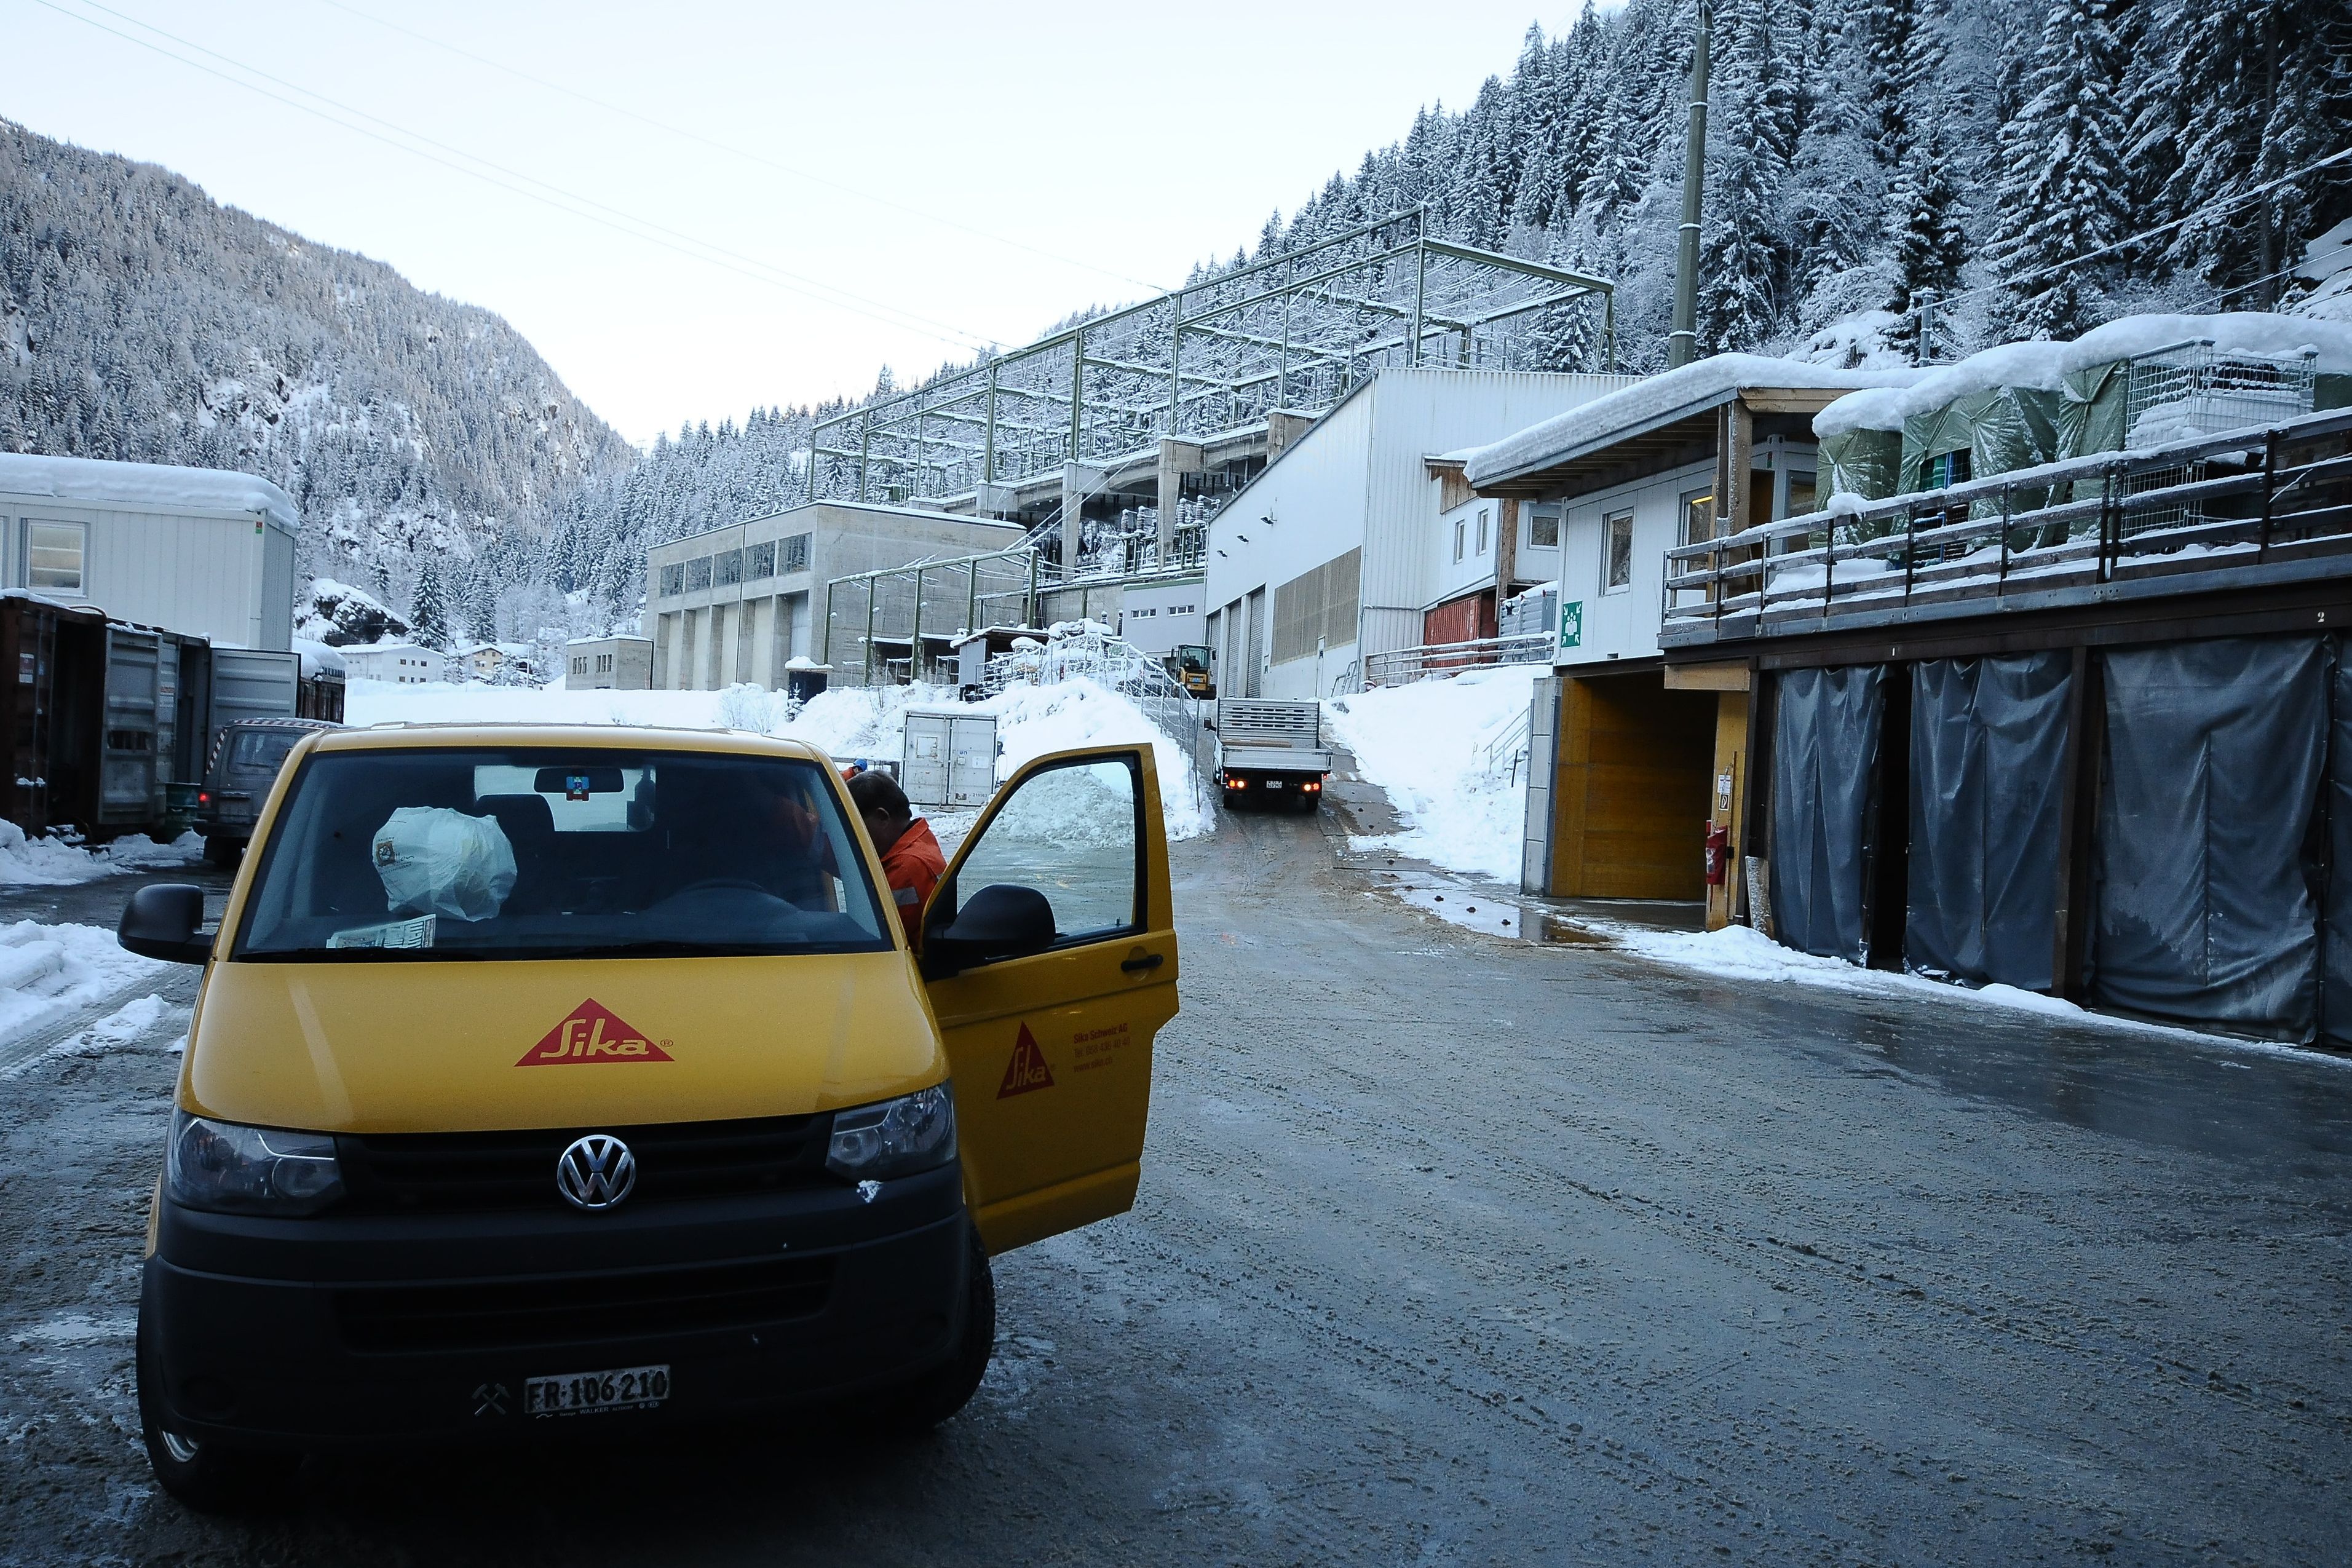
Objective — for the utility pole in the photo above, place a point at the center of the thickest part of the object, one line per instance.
(1925, 353)
(1683, 347)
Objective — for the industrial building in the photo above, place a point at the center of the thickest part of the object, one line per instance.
(2067, 711)
(608, 664)
(396, 663)
(1622, 751)
(739, 602)
(1325, 562)
(206, 553)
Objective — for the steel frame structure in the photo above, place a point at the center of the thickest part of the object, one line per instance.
(1295, 333)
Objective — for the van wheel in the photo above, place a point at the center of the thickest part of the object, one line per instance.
(202, 1474)
(940, 1393)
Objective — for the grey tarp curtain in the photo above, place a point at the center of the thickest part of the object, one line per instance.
(1864, 462)
(1824, 760)
(2335, 997)
(1988, 778)
(2205, 903)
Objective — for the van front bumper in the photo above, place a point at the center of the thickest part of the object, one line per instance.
(373, 1328)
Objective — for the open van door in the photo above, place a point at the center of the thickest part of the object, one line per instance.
(1050, 950)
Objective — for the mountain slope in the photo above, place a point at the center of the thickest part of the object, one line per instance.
(141, 319)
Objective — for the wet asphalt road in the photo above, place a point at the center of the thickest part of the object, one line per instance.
(1448, 1251)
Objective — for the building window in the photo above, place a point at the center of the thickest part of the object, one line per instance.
(1543, 528)
(1483, 518)
(604, 664)
(52, 556)
(1457, 538)
(726, 568)
(697, 574)
(764, 562)
(1698, 516)
(673, 579)
(1945, 470)
(1802, 495)
(1617, 547)
(796, 551)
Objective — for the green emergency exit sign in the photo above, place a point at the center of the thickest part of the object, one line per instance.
(1571, 624)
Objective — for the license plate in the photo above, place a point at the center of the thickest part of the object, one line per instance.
(590, 1393)
(1274, 783)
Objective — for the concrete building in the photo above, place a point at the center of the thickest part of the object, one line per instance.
(1324, 560)
(1630, 759)
(200, 552)
(608, 664)
(396, 663)
(736, 603)
(1162, 615)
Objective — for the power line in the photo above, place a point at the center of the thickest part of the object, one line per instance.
(689, 134)
(570, 203)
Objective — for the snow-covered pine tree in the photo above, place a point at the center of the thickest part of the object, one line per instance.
(2060, 198)
(1739, 266)
(428, 613)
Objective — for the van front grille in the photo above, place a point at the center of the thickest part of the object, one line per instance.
(572, 1310)
(445, 1173)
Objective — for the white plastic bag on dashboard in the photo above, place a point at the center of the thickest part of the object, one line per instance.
(436, 861)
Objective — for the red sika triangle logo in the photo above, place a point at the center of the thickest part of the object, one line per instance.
(1027, 1070)
(593, 1034)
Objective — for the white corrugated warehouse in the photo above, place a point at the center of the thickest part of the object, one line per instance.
(1320, 561)
(198, 551)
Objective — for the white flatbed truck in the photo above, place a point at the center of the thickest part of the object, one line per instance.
(1271, 752)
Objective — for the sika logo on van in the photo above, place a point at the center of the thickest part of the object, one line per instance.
(593, 1034)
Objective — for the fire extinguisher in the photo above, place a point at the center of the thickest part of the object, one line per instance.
(1719, 853)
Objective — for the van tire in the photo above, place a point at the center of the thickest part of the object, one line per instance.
(205, 1476)
(946, 1389)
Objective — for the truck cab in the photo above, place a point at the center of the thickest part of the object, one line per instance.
(543, 1072)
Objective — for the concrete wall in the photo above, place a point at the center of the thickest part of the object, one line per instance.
(608, 664)
(224, 576)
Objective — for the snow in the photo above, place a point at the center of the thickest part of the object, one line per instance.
(319, 659)
(53, 862)
(1742, 952)
(1702, 383)
(1425, 746)
(2045, 367)
(49, 973)
(96, 481)
(1863, 341)
(844, 722)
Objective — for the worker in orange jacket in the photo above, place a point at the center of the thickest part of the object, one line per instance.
(910, 851)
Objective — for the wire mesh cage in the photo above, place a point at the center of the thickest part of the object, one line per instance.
(2194, 389)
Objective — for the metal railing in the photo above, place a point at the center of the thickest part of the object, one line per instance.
(1403, 666)
(1114, 662)
(1510, 745)
(2243, 498)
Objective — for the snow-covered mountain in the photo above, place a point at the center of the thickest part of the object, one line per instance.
(141, 319)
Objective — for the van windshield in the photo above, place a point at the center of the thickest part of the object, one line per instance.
(524, 854)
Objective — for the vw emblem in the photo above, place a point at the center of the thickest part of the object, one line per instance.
(596, 1172)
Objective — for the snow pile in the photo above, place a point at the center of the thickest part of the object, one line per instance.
(1700, 384)
(1868, 340)
(2045, 367)
(47, 973)
(100, 480)
(54, 863)
(846, 722)
(1426, 746)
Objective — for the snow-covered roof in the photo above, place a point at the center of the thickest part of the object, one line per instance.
(1659, 399)
(319, 659)
(608, 637)
(2045, 367)
(95, 481)
(362, 650)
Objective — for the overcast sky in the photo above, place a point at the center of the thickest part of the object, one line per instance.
(1031, 158)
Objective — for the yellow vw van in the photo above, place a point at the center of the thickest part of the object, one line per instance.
(546, 1075)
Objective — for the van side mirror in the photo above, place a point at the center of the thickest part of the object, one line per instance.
(996, 922)
(161, 921)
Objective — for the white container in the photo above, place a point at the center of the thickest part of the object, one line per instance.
(949, 758)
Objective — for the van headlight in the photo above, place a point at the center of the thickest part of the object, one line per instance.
(228, 1168)
(894, 1137)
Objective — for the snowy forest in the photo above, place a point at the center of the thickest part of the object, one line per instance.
(2032, 167)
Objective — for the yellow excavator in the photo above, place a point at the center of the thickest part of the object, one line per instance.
(1190, 665)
